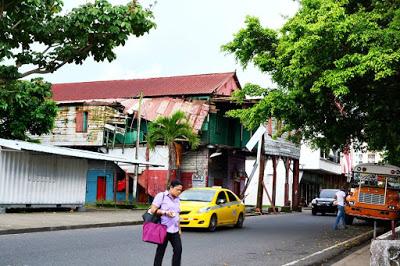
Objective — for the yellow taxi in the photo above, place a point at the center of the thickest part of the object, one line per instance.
(210, 207)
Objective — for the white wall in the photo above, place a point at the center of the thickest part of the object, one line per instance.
(311, 160)
(158, 156)
(251, 192)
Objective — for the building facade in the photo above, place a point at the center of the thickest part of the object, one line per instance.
(103, 116)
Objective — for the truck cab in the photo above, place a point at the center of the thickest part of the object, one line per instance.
(374, 194)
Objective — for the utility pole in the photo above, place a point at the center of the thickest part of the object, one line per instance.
(134, 192)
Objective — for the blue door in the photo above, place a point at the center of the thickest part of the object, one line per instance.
(92, 185)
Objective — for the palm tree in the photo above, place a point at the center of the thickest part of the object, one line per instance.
(171, 130)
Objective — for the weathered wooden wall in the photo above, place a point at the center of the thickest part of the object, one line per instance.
(64, 132)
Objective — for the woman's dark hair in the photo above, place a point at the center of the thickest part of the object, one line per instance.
(176, 183)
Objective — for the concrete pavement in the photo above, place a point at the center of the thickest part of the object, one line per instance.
(359, 257)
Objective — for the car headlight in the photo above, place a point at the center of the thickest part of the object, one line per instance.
(351, 203)
(204, 209)
(314, 201)
(391, 207)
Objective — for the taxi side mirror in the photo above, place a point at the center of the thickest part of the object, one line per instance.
(220, 201)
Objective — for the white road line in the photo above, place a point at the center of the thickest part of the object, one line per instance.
(332, 247)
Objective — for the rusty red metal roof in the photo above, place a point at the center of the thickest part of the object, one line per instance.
(196, 111)
(219, 84)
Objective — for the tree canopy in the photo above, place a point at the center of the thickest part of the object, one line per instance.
(35, 38)
(336, 67)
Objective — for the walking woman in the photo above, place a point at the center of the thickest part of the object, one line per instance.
(167, 205)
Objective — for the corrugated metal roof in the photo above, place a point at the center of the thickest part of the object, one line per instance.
(222, 84)
(23, 145)
(196, 111)
(281, 147)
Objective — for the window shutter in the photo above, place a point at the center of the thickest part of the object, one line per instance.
(79, 122)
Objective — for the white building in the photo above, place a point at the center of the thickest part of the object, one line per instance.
(318, 170)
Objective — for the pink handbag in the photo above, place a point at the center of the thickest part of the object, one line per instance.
(154, 233)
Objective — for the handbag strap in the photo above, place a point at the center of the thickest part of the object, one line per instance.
(161, 202)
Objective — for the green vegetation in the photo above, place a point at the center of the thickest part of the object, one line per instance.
(169, 131)
(336, 69)
(37, 39)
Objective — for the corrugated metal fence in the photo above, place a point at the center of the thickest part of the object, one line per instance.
(37, 178)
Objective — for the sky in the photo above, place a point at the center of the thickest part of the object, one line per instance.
(187, 41)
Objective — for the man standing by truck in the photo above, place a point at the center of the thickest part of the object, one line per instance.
(340, 198)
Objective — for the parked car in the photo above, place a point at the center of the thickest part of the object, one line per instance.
(324, 202)
(210, 207)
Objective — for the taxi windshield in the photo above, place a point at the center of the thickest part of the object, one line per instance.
(197, 195)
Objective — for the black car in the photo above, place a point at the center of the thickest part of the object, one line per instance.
(324, 203)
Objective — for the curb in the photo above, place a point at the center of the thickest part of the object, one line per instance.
(72, 227)
(66, 227)
(322, 256)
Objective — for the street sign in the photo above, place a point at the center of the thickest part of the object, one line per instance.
(256, 137)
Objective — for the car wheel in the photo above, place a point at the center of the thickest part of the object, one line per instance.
(322, 213)
(240, 220)
(213, 223)
(348, 219)
(314, 212)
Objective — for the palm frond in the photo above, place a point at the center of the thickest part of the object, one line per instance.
(170, 129)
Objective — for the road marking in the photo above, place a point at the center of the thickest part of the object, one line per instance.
(327, 249)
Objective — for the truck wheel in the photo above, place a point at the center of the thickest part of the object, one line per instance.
(349, 219)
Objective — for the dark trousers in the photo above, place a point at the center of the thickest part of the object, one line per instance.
(176, 243)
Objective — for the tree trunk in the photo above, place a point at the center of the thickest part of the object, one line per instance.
(171, 161)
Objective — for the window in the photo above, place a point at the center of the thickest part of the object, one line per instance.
(231, 196)
(221, 195)
(360, 158)
(218, 124)
(81, 121)
(371, 158)
(197, 195)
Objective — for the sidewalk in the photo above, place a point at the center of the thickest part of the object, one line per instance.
(359, 257)
(14, 223)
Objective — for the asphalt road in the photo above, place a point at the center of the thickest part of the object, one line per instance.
(264, 240)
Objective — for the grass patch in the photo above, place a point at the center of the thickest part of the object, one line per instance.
(119, 205)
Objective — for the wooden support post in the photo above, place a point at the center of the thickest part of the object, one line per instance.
(261, 176)
(269, 198)
(115, 187)
(273, 203)
(126, 186)
(287, 166)
(295, 190)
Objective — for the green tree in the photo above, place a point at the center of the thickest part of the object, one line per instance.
(336, 67)
(36, 39)
(169, 131)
